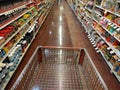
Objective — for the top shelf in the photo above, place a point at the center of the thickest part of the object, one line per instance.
(23, 5)
(13, 19)
(107, 10)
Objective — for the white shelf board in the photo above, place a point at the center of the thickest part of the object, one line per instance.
(88, 16)
(89, 9)
(40, 8)
(97, 13)
(40, 2)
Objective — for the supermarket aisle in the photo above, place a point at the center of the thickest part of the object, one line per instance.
(62, 28)
(55, 31)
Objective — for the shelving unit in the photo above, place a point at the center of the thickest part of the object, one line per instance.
(17, 31)
(100, 18)
(14, 8)
(109, 44)
(34, 21)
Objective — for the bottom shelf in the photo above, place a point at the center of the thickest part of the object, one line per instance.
(110, 66)
(108, 62)
(10, 74)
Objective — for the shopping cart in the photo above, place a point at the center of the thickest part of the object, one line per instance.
(60, 68)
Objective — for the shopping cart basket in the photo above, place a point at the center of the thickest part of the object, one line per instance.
(60, 68)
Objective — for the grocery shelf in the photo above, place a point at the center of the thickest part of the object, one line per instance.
(88, 16)
(41, 23)
(17, 31)
(110, 66)
(72, 8)
(106, 30)
(20, 59)
(116, 75)
(39, 27)
(14, 8)
(91, 9)
(13, 19)
(12, 72)
(110, 33)
(82, 24)
(16, 43)
(112, 47)
(36, 15)
(108, 63)
(108, 10)
(112, 22)
(88, 9)
(40, 8)
(40, 2)
(117, 52)
(97, 13)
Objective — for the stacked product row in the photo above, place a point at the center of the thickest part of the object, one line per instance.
(15, 27)
(11, 4)
(101, 20)
(17, 32)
